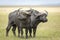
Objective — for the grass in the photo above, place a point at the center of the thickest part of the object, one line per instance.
(45, 31)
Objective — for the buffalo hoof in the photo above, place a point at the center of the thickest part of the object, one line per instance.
(33, 36)
(22, 36)
(6, 35)
(15, 35)
(26, 37)
(30, 36)
(18, 36)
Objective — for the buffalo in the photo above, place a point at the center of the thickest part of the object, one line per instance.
(36, 18)
(18, 18)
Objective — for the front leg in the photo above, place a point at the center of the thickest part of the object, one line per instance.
(26, 30)
(34, 31)
(19, 31)
(22, 32)
(30, 31)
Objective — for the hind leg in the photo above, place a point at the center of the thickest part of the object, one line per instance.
(7, 29)
(14, 29)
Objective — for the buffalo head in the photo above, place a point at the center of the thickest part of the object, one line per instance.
(43, 16)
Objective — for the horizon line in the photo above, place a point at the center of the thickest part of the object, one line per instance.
(30, 5)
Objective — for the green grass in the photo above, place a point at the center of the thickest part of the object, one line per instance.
(45, 31)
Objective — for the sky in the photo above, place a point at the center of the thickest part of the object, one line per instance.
(30, 2)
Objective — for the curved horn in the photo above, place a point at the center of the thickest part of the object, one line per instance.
(19, 10)
(46, 12)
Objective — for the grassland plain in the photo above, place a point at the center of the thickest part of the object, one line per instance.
(45, 31)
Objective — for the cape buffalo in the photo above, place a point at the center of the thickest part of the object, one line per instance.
(18, 18)
(36, 18)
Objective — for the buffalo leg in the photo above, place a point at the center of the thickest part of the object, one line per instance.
(26, 30)
(19, 31)
(14, 29)
(7, 29)
(30, 32)
(22, 32)
(34, 32)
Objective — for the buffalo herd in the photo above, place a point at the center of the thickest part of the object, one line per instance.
(27, 19)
